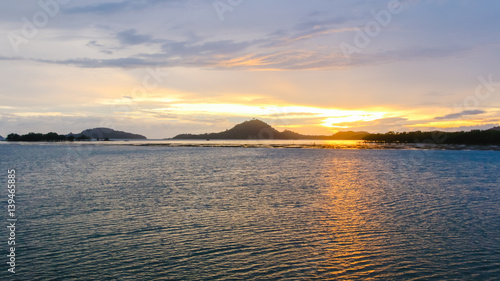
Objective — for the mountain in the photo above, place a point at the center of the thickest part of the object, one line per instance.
(495, 129)
(103, 133)
(253, 129)
(2, 138)
(257, 129)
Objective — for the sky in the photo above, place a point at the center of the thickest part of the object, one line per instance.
(161, 68)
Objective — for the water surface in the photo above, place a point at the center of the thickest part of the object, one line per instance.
(100, 212)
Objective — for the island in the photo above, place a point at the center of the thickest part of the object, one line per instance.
(104, 134)
(258, 130)
(107, 133)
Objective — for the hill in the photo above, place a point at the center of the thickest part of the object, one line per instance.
(495, 129)
(257, 129)
(2, 138)
(96, 133)
(103, 133)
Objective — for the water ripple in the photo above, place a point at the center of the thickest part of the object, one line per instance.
(199, 213)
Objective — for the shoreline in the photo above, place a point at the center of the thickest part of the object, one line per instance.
(356, 145)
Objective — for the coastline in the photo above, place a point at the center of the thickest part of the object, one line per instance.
(302, 144)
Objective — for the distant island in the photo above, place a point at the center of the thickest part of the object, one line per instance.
(104, 134)
(107, 133)
(257, 129)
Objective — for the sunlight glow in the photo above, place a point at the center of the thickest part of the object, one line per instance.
(330, 116)
(353, 117)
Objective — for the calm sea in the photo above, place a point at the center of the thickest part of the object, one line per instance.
(108, 212)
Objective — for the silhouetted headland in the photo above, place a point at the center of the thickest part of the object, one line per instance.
(107, 133)
(89, 134)
(257, 129)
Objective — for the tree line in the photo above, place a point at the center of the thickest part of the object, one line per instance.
(50, 137)
(483, 137)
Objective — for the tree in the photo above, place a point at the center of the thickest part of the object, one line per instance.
(13, 137)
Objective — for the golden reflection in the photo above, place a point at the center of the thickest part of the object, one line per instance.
(343, 143)
(350, 220)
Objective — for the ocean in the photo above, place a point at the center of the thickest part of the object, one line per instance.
(124, 212)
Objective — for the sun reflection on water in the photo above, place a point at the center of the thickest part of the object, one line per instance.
(351, 223)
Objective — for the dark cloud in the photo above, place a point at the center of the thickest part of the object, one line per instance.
(99, 63)
(102, 8)
(94, 43)
(116, 7)
(130, 37)
(460, 114)
(192, 48)
(102, 48)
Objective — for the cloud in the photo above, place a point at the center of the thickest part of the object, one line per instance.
(460, 114)
(130, 37)
(130, 62)
(102, 8)
(198, 49)
(379, 125)
(315, 24)
(311, 43)
(231, 54)
(116, 7)
(94, 43)
(461, 128)
(293, 114)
